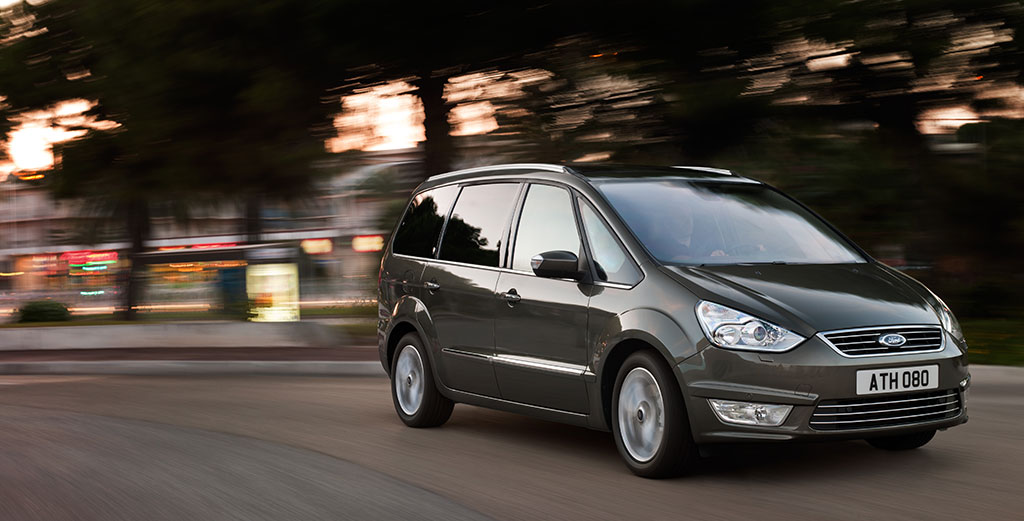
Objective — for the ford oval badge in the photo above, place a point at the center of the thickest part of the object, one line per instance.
(892, 340)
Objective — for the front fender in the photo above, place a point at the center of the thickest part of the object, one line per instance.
(652, 327)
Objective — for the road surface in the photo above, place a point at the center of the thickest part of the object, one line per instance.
(282, 448)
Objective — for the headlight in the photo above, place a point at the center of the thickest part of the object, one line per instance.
(732, 329)
(949, 322)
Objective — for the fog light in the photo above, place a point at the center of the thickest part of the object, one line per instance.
(748, 413)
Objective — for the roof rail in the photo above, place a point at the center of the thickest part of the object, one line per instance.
(510, 166)
(706, 169)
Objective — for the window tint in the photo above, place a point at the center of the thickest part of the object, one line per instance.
(693, 223)
(547, 223)
(475, 229)
(421, 226)
(611, 260)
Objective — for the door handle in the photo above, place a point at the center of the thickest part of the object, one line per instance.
(511, 296)
(431, 285)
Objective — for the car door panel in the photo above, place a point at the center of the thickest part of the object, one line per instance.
(540, 342)
(462, 310)
(458, 288)
(541, 323)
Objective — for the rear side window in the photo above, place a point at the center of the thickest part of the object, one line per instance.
(421, 225)
(477, 224)
(547, 224)
(610, 259)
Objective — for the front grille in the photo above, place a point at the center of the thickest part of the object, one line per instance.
(865, 342)
(885, 411)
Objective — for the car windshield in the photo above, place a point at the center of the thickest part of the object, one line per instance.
(681, 221)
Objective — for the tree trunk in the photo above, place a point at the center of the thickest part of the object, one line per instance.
(253, 220)
(438, 148)
(138, 230)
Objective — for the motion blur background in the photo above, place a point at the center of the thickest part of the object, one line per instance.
(229, 158)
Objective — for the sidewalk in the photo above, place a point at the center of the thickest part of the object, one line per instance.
(177, 335)
(191, 348)
(362, 353)
(338, 361)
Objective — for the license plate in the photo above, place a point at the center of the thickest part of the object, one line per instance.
(896, 379)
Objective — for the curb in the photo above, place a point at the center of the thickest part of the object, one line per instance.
(987, 373)
(193, 368)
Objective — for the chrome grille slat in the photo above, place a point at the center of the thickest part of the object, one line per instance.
(869, 420)
(864, 341)
(943, 404)
(862, 413)
(866, 403)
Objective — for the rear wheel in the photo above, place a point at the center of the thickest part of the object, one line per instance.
(649, 419)
(417, 400)
(903, 441)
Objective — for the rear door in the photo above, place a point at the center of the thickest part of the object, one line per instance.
(541, 323)
(458, 287)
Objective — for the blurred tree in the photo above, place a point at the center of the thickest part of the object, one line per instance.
(427, 44)
(216, 101)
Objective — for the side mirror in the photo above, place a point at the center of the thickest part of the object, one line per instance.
(557, 265)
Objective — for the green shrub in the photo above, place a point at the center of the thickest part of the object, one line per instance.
(43, 311)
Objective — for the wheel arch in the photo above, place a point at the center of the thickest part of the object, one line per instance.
(636, 330)
(410, 316)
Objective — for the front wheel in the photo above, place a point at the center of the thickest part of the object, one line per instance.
(417, 400)
(649, 419)
(903, 441)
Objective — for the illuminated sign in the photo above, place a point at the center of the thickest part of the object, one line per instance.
(88, 262)
(81, 258)
(274, 292)
(367, 243)
(211, 246)
(317, 246)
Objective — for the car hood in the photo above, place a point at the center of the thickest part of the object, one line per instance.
(808, 298)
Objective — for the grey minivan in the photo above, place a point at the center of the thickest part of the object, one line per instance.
(674, 306)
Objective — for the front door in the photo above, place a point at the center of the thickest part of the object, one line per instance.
(541, 324)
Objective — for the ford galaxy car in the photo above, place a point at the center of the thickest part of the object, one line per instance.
(673, 306)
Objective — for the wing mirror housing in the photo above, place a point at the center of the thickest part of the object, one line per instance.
(558, 264)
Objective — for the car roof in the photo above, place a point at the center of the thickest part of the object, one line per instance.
(591, 172)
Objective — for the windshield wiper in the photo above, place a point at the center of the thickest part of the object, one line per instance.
(758, 263)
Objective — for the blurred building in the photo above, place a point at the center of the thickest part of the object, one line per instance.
(63, 250)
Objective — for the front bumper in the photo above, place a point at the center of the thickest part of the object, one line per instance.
(810, 373)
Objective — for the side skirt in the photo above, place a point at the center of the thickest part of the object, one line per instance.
(543, 413)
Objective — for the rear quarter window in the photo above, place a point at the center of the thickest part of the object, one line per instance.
(421, 225)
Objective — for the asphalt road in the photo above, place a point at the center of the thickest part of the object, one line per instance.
(282, 448)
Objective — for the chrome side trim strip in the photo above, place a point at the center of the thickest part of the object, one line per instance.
(469, 354)
(540, 364)
(528, 362)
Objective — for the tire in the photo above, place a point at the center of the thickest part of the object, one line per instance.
(417, 400)
(643, 379)
(903, 441)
